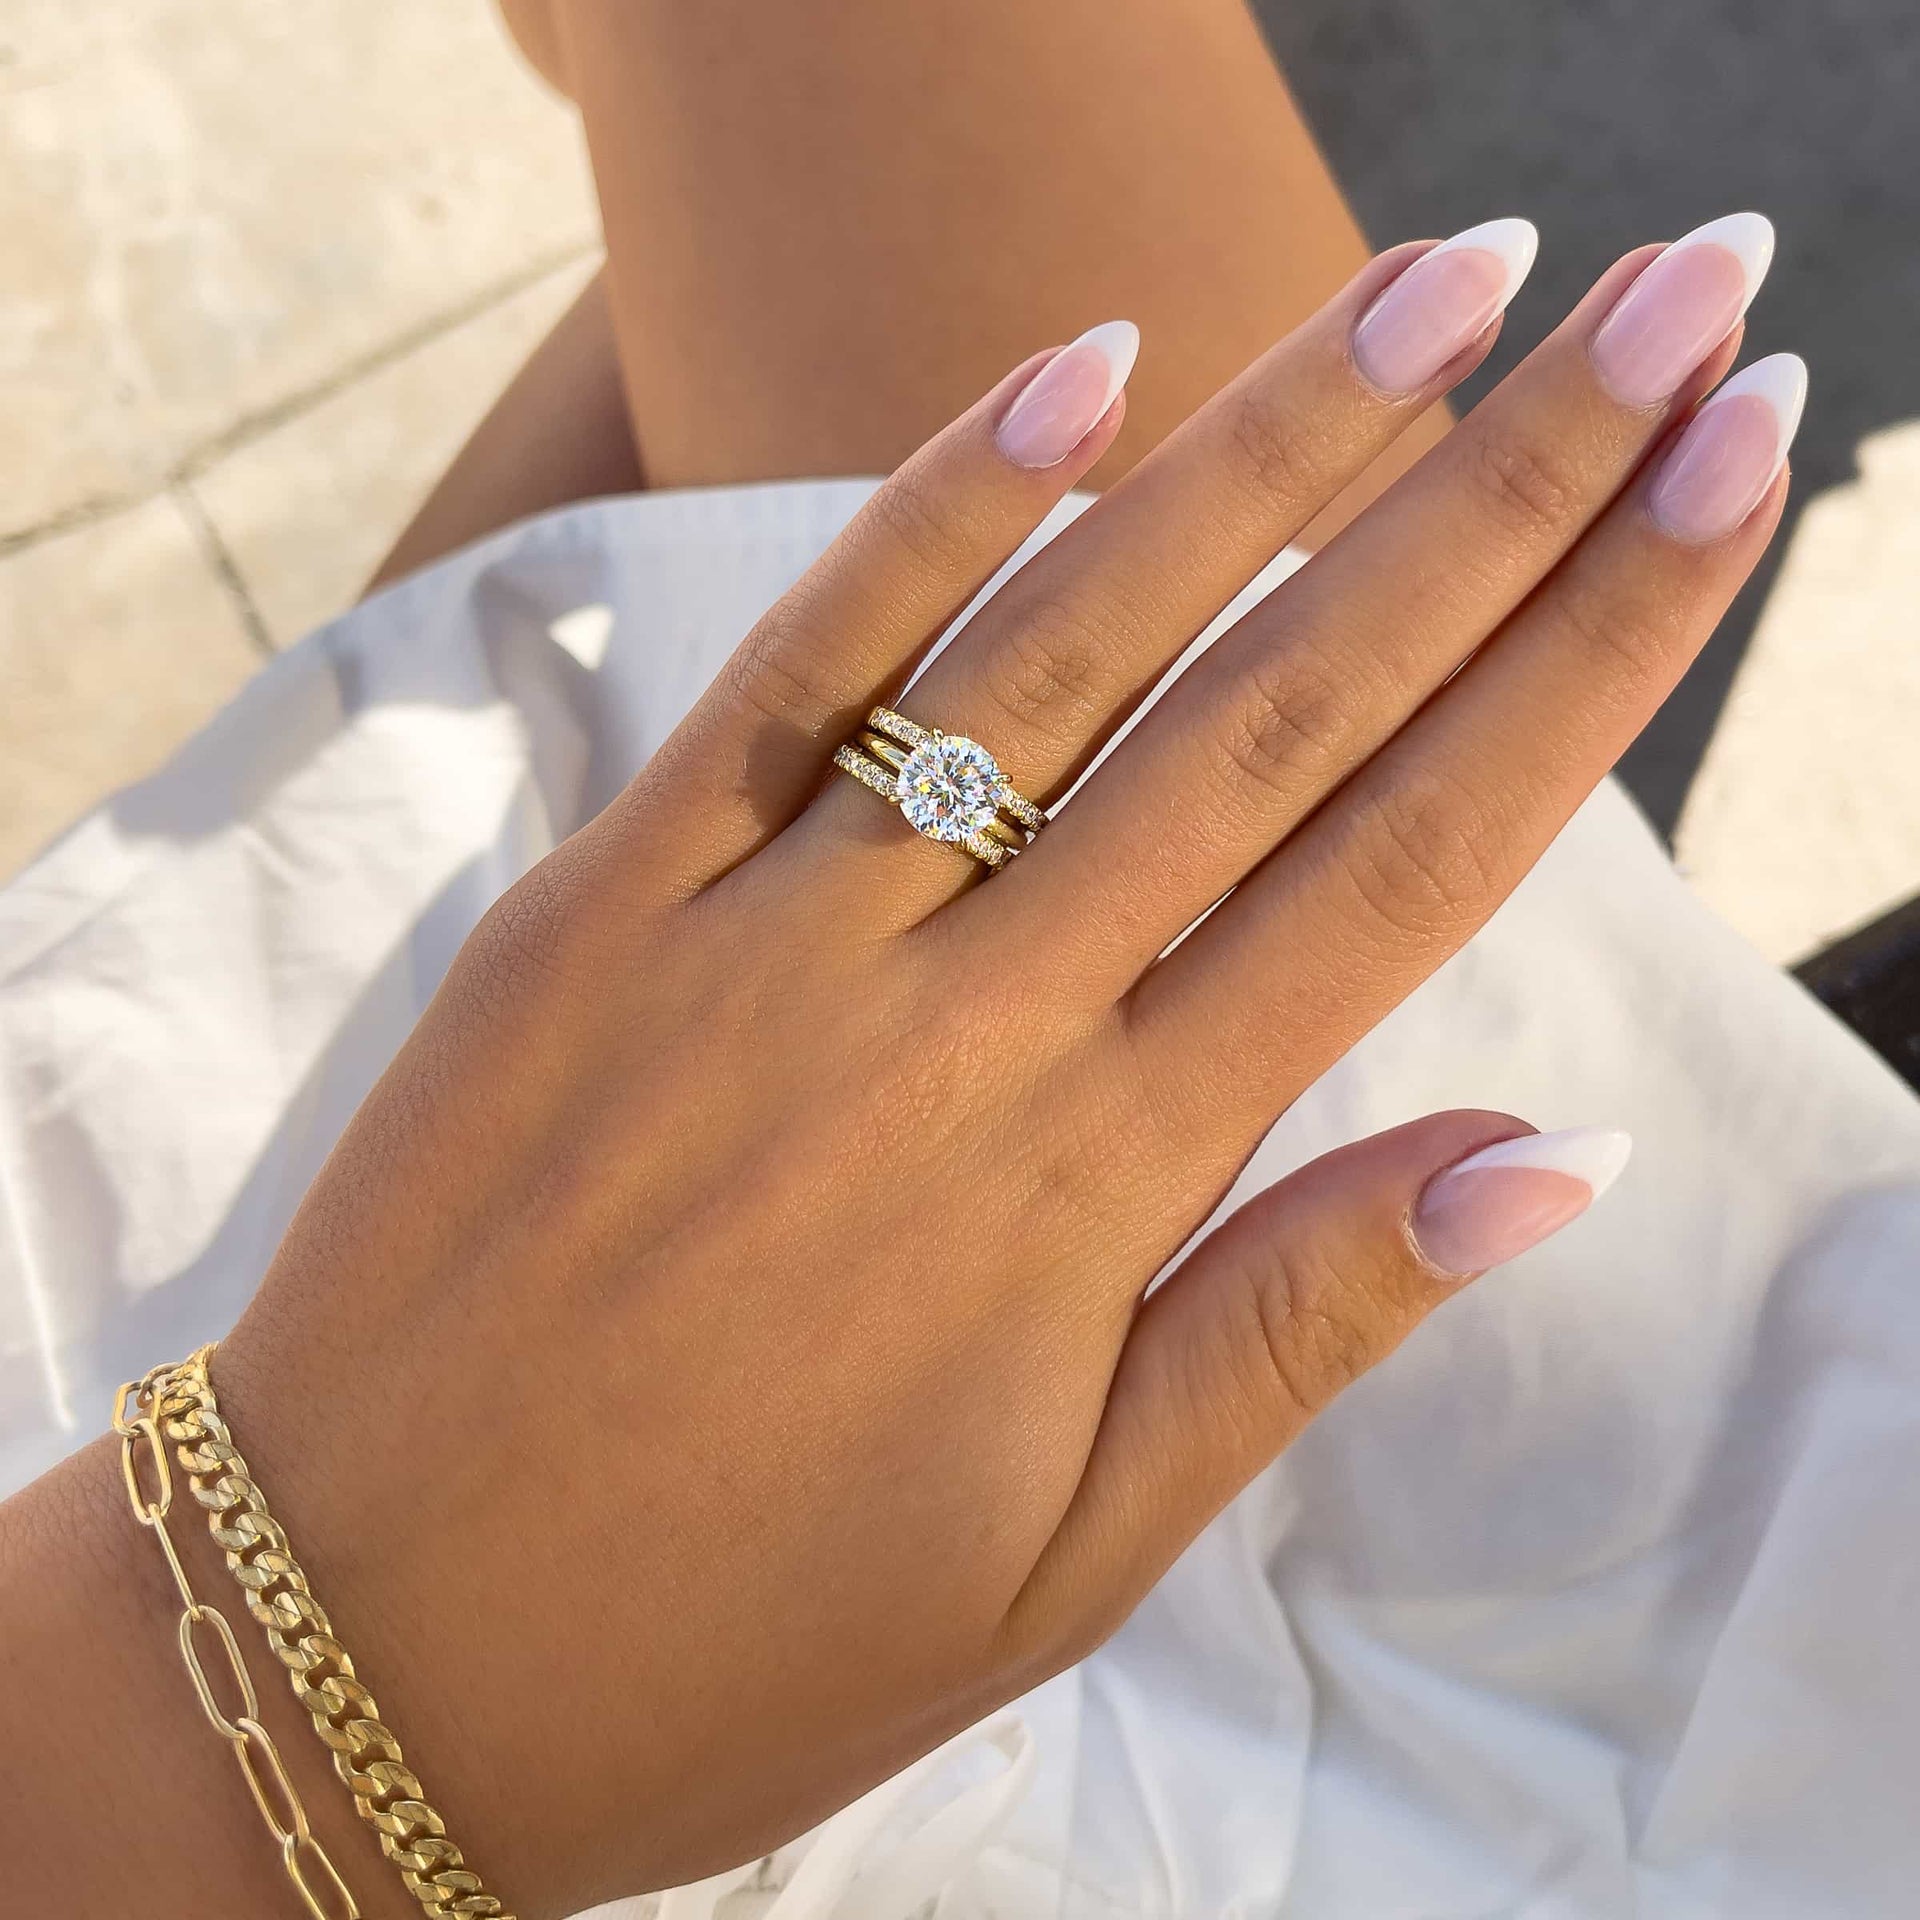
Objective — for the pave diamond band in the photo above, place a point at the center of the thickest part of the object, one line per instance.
(946, 786)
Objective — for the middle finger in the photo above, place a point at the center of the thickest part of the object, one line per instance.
(1319, 675)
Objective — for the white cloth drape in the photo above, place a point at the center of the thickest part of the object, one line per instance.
(1599, 1599)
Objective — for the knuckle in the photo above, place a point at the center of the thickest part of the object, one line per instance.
(1614, 637)
(1044, 658)
(1425, 859)
(1282, 728)
(524, 945)
(540, 954)
(778, 672)
(924, 522)
(1521, 483)
(1277, 454)
(1306, 1334)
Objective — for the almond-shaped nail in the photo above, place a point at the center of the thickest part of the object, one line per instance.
(1500, 1201)
(1069, 396)
(1681, 307)
(1719, 470)
(1442, 304)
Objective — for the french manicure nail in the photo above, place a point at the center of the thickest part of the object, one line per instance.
(1681, 307)
(1442, 304)
(1721, 467)
(1506, 1198)
(1069, 396)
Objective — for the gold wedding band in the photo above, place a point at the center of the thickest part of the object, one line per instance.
(946, 787)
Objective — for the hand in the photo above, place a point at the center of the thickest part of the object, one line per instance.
(713, 1366)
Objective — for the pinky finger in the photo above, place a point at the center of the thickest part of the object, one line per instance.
(1305, 1288)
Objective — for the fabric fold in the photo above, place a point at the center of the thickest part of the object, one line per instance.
(1595, 1600)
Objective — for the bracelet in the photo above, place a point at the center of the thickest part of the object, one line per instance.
(366, 1756)
(253, 1748)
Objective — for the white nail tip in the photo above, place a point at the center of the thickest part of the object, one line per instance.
(1118, 343)
(1781, 381)
(1514, 243)
(1747, 236)
(1593, 1154)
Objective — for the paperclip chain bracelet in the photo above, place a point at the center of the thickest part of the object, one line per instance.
(366, 1755)
(305, 1860)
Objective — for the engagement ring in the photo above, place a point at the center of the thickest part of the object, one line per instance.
(948, 787)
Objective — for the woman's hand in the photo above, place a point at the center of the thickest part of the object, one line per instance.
(713, 1366)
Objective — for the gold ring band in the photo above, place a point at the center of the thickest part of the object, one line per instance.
(946, 787)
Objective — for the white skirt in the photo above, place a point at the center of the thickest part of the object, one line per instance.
(1599, 1598)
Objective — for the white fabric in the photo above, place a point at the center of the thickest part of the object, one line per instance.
(1596, 1600)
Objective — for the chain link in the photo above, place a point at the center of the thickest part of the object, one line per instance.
(366, 1755)
(251, 1743)
(229, 1729)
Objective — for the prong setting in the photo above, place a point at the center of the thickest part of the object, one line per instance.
(947, 787)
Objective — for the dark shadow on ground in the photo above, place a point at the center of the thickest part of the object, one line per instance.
(1612, 124)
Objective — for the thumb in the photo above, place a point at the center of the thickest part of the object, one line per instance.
(1289, 1300)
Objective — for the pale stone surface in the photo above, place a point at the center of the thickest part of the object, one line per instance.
(308, 509)
(292, 253)
(1805, 818)
(116, 641)
(213, 211)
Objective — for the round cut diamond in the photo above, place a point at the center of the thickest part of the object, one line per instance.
(949, 788)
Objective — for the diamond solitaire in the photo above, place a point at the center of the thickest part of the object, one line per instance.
(949, 788)
(946, 786)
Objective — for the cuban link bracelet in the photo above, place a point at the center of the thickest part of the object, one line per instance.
(366, 1756)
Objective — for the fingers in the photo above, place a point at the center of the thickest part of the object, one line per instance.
(754, 748)
(1411, 856)
(1064, 650)
(1294, 1297)
(1297, 695)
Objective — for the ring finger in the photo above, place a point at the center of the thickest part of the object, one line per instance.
(1064, 650)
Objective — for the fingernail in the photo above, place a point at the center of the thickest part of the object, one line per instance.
(1681, 307)
(1069, 396)
(1442, 304)
(1504, 1199)
(1721, 467)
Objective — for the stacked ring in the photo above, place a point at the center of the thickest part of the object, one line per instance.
(947, 787)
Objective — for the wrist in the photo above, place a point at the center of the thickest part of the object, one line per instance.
(424, 1632)
(122, 1759)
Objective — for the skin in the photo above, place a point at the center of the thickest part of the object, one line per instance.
(829, 227)
(716, 1363)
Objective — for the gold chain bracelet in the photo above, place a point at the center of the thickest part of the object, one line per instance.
(366, 1756)
(253, 1748)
